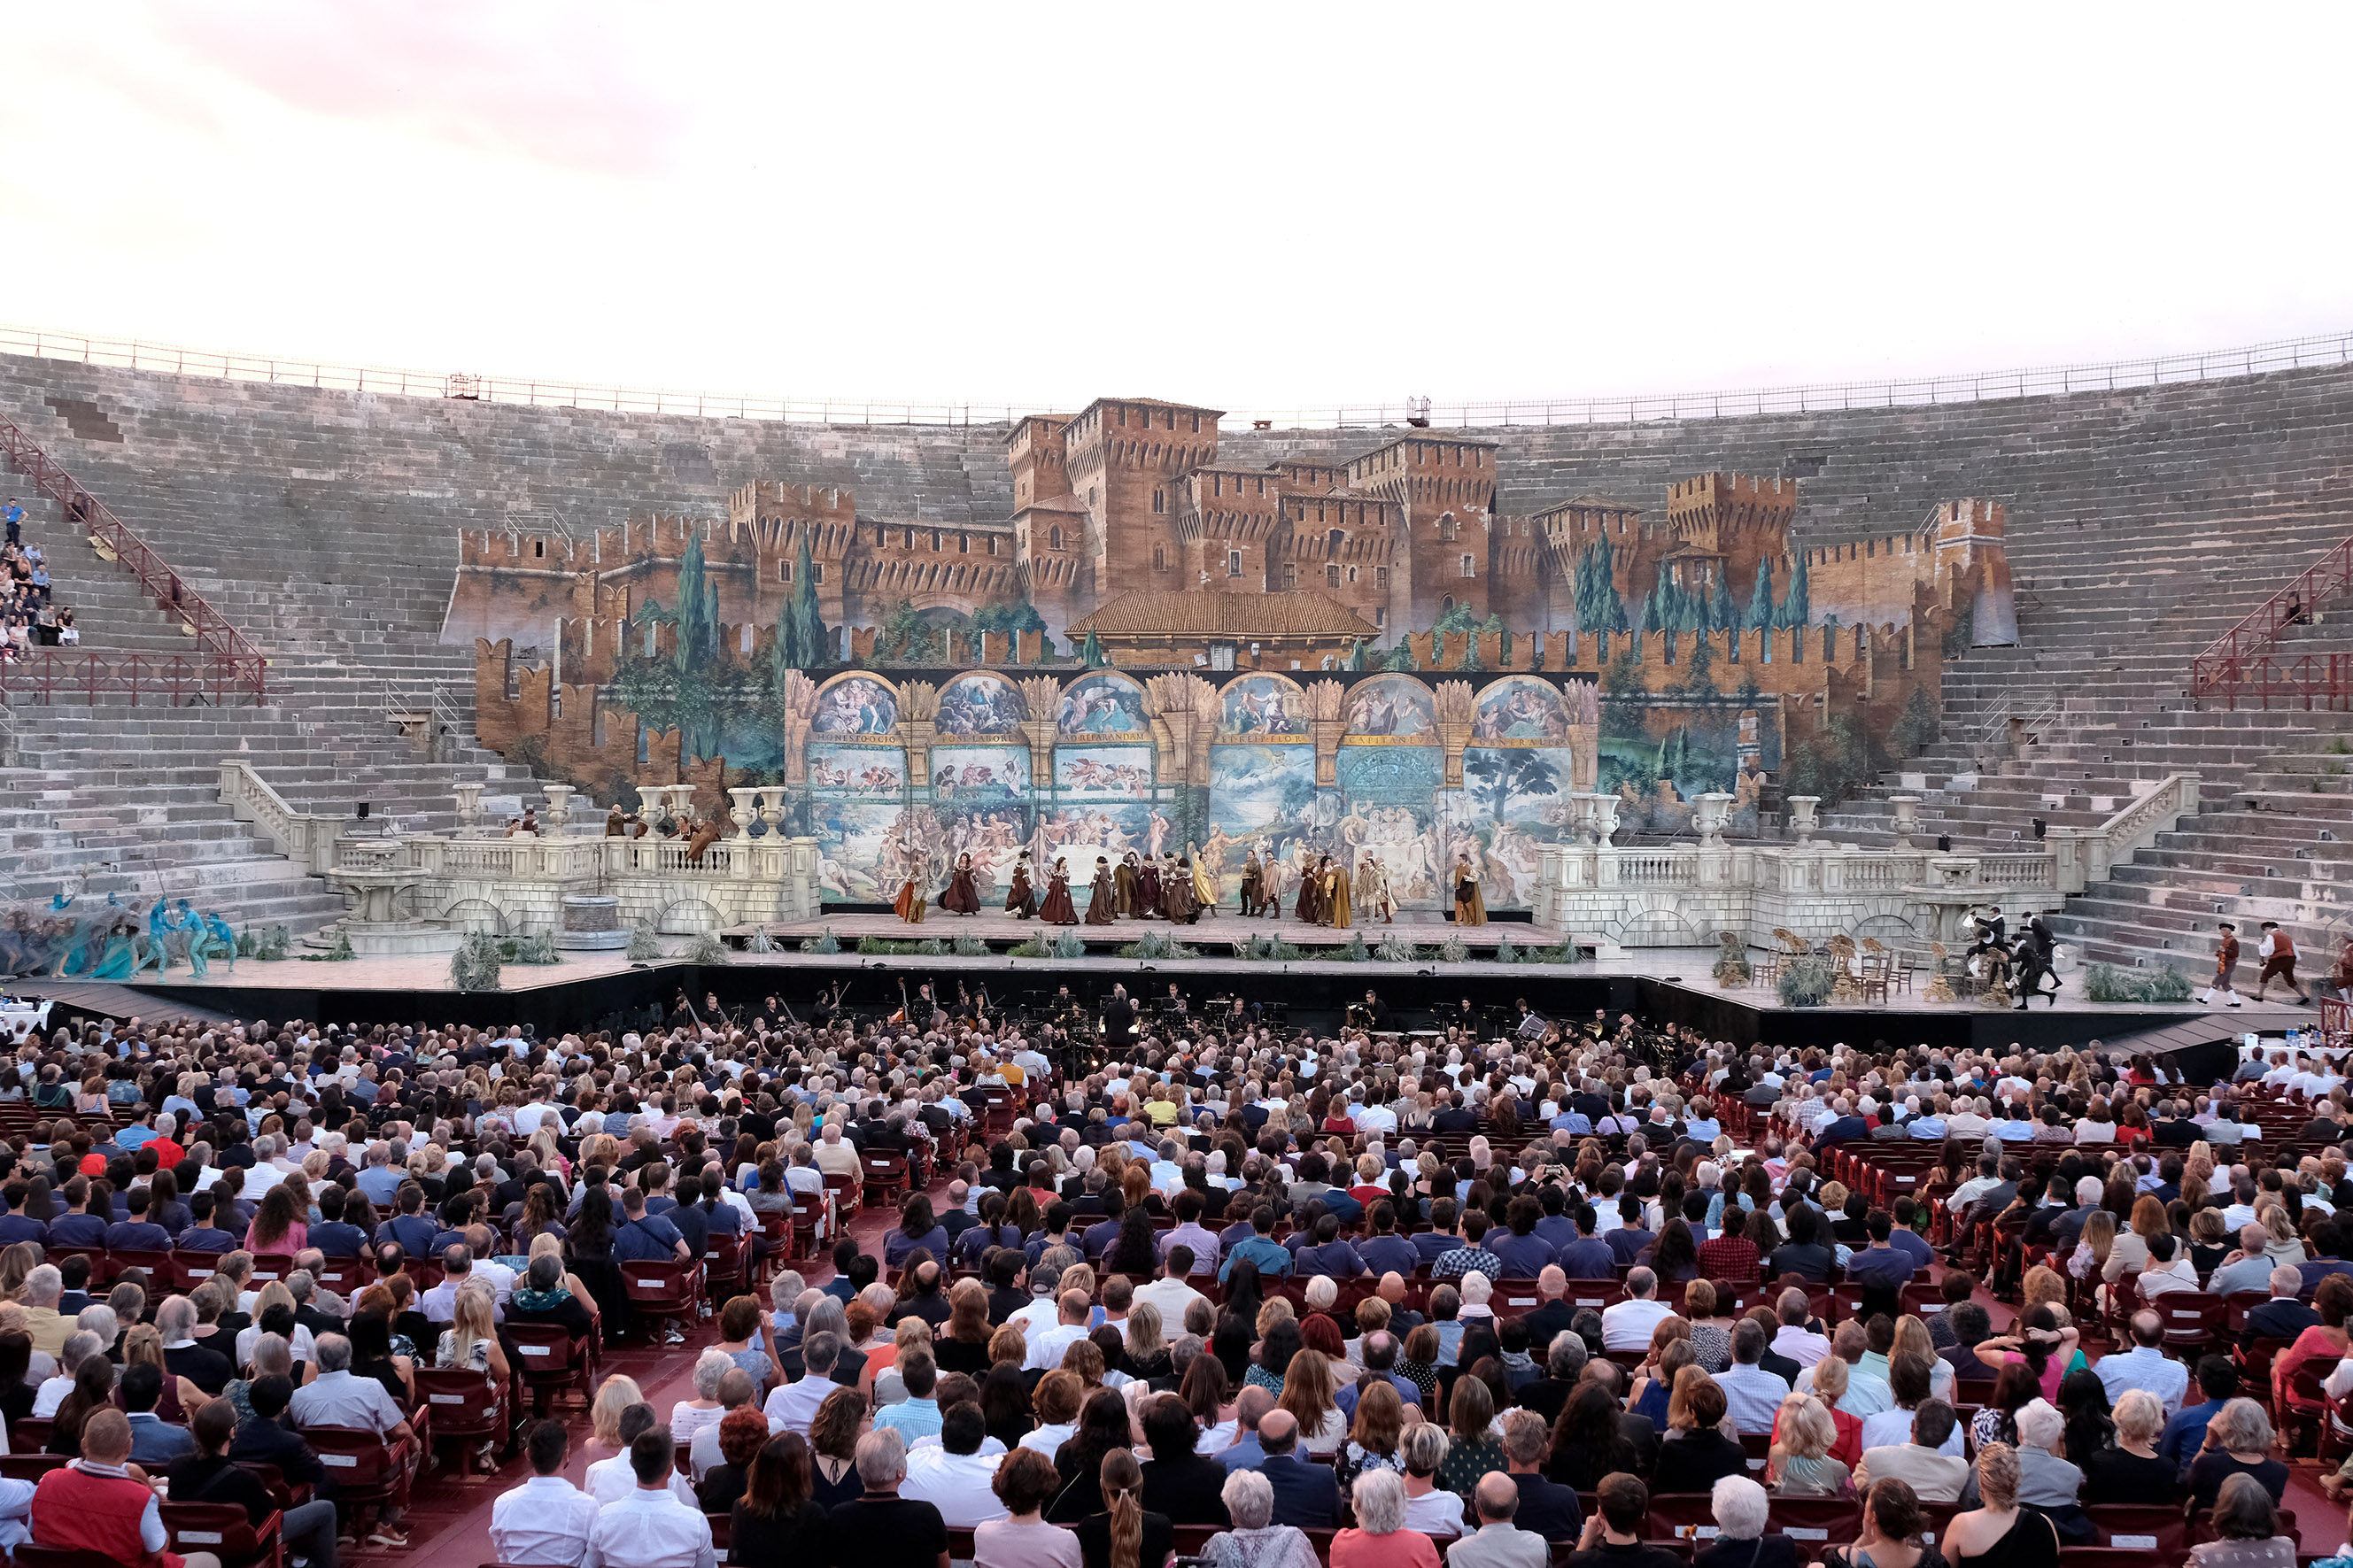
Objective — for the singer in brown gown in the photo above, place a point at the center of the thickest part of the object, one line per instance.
(1308, 909)
(1058, 911)
(1103, 897)
(1176, 890)
(1147, 891)
(1021, 902)
(963, 895)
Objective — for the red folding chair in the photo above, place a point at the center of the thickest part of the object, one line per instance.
(191, 1268)
(886, 1175)
(553, 1361)
(664, 1291)
(469, 1408)
(223, 1529)
(368, 1472)
(726, 1267)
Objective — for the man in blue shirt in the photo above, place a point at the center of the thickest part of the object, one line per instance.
(1904, 1238)
(330, 1235)
(1524, 1254)
(385, 1171)
(1626, 1241)
(1271, 1257)
(1472, 1256)
(2185, 1434)
(409, 1228)
(1327, 1254)
(204, 1236)
(1588, 1256)
(1440, 1237)
(78, 1226)
(1557, 1229)
(15, 517)
(138, 1233)
(1388, 1252)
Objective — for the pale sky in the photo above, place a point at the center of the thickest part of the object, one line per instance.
(1260, 207)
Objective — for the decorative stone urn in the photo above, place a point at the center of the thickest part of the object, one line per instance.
(681, 801)
(1805, 815)
(1581, 815)
(1711, 814)
(650, 803)
(1907, 819)
(745, 810)
(469, 808)
(1605, 818)
(770, 799)
(559, 808)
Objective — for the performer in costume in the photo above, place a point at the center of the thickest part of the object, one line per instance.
(1250, 885)
(1103, 897)
(912, 901)
(1176, 888)
(2278, 952)
(1021, 902)
(1470, 904)
(1205, 886)
(1058, 911)
(1337, 907)
(1147, 890)
(2226, 959)
(962, 897)
(1308, 909)
(1123, 886)
(1373, 891)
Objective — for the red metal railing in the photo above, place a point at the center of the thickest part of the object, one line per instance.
(218, 642)
(50, 677)
(2242, 660)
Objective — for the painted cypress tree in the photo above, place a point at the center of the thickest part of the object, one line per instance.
(1760, 599)
(698, 610)
(1793, 603)
(1091, 653)
(808, 647)
(1721, 616)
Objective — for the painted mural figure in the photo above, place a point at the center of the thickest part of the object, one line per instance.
(1057, 910)
(978, 705)
(1521, 710)
(1157, 835)
(1099, 706)
(856, 708)
(1261, 706)
(962, 897)
(1021, 899)
(1103, 896)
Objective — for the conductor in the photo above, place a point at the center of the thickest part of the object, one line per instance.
(1119, 1023)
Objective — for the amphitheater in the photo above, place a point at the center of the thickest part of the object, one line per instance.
(2144, 522)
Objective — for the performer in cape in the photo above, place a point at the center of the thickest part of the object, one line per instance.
(1308, 909)
(1251, 884)
(1103, 897)
(1335, 896)
(1176, 893)
(912, 901)
(963, 895)
(1205, 886)
(1470, 904)
(1058, 911)
(1021, 902)
(1123, 886)
(1147, 890)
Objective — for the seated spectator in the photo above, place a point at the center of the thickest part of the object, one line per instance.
(1381, 1537)
(1696, 1453)
(1023, 1482)
(2238, 1442)
(1740, 1508)
(337, 1398)
(1613, 1536)
(2246, 1524)
(778, 1519)
(740, 1438)
(1498, 1542)
(1800, 1462)
(153, 1441)
(1254, 1540)
(208, 1475)
(1998, 1527)
(93, 1504)
(1120, 1483)
(1893, 1534)
(648, 1524)
(1929, 1463)
(952, 1475)
(2133, 1471)
(1430, 1508)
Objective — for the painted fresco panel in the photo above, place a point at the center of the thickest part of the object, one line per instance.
(1108, 772)
(979, 705)
(993, 834)
(1265, 796)
(867, 772)
(1083, 831)
(1261, 705)
(1102, 705)
(1392, 797)
(1518, 800)
(1520, 708)
(860, 855)
(857, 705)
(1656, 757)
(979, 773)
(1393, 706)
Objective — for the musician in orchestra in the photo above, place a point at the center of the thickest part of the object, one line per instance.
(1173, 1004)
(1376, 1012)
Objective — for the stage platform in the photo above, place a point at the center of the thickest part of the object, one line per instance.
(1659, 985)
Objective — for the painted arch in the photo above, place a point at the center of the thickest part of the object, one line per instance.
(856, 706)
(1392, 707)
(980, 704)
(1255, 706)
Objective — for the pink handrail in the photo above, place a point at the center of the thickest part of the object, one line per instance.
(215, 634)
(2244, 656)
